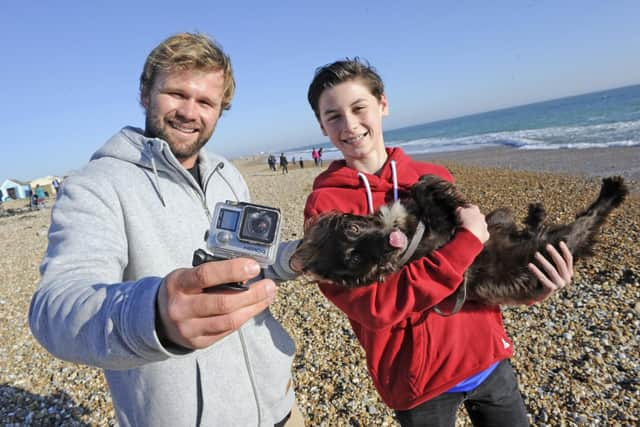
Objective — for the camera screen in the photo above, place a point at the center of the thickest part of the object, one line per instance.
(228, 219)
(259, 225)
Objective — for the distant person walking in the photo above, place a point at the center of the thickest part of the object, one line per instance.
(320, 156)
(284, 163)
(315, 156)
(272, 162)
(301, 162)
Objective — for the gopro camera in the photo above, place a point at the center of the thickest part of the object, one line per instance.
(241, 229)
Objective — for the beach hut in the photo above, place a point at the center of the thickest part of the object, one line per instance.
(13, 189)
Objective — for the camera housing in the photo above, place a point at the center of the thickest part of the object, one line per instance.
(241, 229)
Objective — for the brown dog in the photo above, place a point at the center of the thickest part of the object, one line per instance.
(355, 250)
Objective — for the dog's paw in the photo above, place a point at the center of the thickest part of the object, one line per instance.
(535, 217)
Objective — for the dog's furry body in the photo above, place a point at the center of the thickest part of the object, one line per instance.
(355, 250)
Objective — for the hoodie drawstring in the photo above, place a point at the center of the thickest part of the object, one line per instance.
(155, 174)
(367, 187)
(218, 168)
(394, 176)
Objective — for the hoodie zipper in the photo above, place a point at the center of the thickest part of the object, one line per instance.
(241, 337)
(200, 194)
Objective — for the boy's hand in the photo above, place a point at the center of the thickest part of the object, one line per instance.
(473, 220)
(556, 277)
(194, 315)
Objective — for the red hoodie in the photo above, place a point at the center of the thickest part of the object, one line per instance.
(413, 354)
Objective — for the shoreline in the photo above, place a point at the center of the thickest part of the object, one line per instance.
(584, 162)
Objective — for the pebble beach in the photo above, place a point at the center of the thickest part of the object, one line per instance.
(577, 355)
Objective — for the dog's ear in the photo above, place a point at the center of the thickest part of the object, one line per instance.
(317, 233)
(322, 219)
(309, 222)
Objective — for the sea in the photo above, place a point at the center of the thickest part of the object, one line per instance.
(609, 118)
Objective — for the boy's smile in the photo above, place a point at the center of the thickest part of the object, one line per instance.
(352, 119)
(356, 139)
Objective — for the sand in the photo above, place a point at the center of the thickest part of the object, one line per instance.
(577, 355)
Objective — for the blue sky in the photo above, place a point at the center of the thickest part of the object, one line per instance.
(70, 69)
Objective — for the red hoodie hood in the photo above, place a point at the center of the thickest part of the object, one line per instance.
(338, 174)
(340, 183)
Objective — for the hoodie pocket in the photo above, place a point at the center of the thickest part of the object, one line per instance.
(421, 344)
(404, 361)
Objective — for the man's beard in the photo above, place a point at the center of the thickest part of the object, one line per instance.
(154, 129)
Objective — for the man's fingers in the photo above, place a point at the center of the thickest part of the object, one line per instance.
(223, 324)
(216, 273)
(206, 330)
(221, 303)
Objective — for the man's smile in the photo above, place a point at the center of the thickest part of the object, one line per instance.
(182, 127)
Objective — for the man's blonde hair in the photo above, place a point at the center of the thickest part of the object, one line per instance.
(188, 51)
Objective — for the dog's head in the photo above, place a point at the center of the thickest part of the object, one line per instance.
(351, 250)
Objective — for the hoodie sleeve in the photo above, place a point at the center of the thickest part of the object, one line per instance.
(82, 311)
(281, 270)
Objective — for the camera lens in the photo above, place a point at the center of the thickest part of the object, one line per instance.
(259, 225)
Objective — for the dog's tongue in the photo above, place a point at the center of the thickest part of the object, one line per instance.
(397, 239)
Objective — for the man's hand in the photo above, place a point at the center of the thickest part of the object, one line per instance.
(194, 315)
(556, 277)
(473, 220)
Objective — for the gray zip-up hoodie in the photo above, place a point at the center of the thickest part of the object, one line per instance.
(122, 223)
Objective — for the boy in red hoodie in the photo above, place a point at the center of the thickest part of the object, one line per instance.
(422, 364)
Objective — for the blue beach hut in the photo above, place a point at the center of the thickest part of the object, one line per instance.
(13, 189)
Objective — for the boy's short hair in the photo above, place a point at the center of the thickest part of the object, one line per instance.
(188, 51)
(342, 71)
